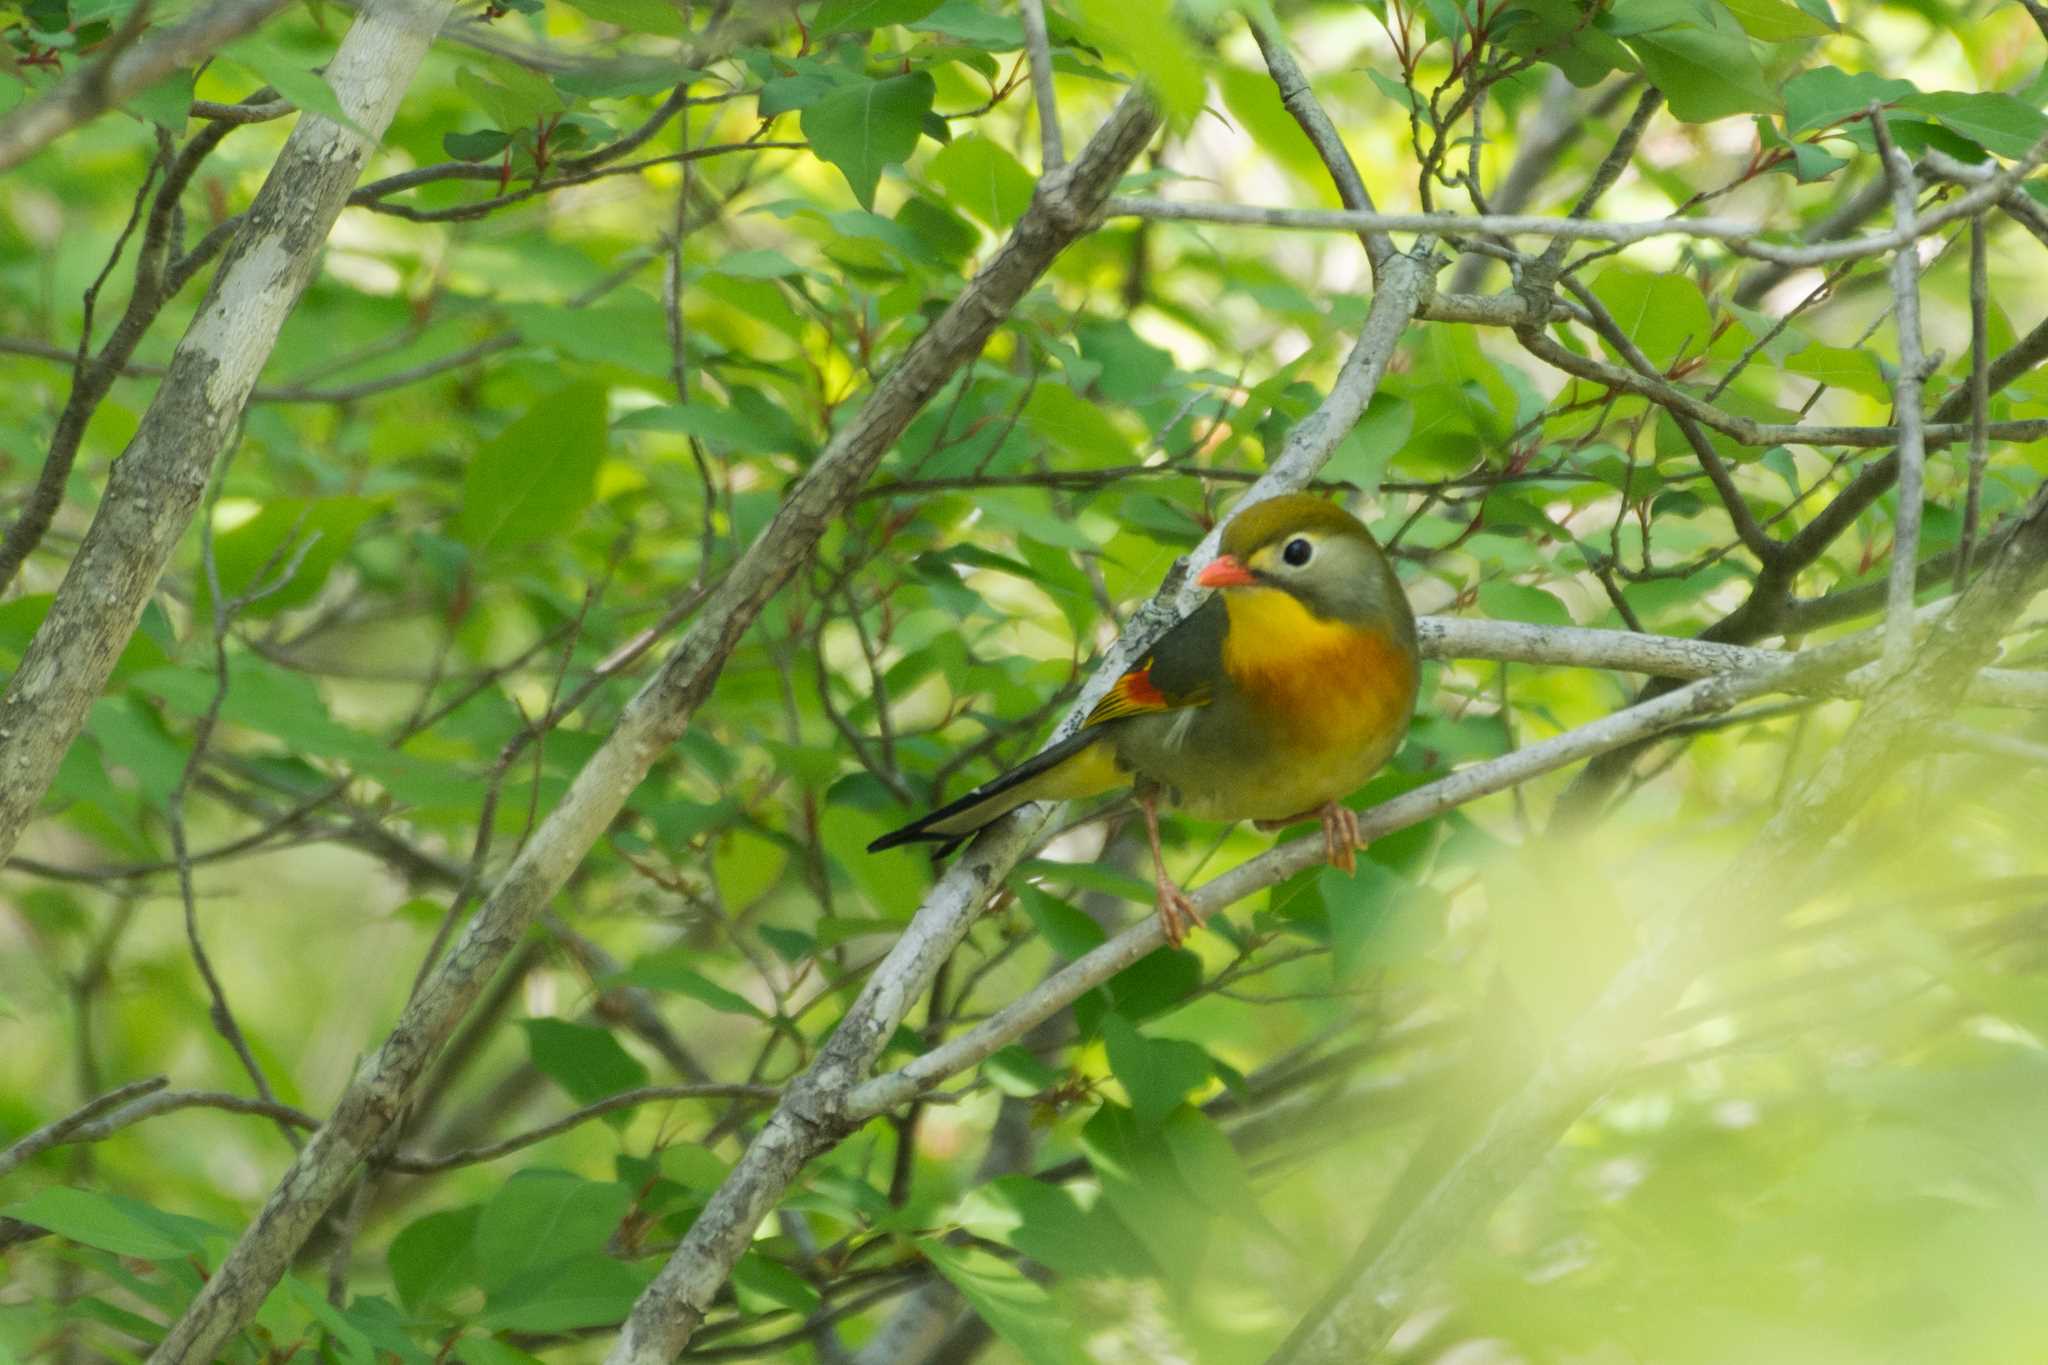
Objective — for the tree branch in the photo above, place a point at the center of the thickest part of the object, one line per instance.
(90, 92)
(157, 483)
(1913, 371)
(1740, 237)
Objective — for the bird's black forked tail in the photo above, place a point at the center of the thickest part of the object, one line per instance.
(1045, 775)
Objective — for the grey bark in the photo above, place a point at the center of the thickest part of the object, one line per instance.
(157, 483)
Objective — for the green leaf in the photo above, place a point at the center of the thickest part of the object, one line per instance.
(536, 477)
(659, 17)
(515, 100)
(586, 1061)
(707, 422)
(2000, 124)
(590, 1290)
(1157, 1073)
(1663, 313)
(755, 265)
(1775, 21)
(354, 1345)
(541, 1218)
(1828, 94)
(1109, 881)
(1147, 35)
(1047, 1223)
(1505, 601)
(871, 125)
(1361, 457)
(308, 538)
(970, 23)
(667, 970)
(1705, 75)
(629, 331)
(1070, 932)
(1018, 1074)
(1076, 427)
(134, 738)
(981, 177)
(839, 16)
(1156, 982)
(1144, 1187)
(1132, 368)
(1212, 1167)
(478, 146)
(624, 76)
(485, 1351)
(434, 1256)
(310, 91)
(762, 1286)
(1556, 31)
(1016, 1309)
(1842, 368)
(113, 1223)
(167, 103)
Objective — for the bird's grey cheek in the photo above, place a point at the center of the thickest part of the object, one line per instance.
(1177, 733)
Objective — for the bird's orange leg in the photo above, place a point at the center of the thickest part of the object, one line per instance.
(1341, 841)
(1177, 914)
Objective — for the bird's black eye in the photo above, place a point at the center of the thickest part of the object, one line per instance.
(1298, 551)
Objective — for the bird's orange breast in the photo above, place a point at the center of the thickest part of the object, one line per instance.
(1323, 685)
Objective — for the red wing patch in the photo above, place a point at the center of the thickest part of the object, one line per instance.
(1134, 694)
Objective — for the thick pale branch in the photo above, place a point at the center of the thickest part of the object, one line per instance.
(1912, 377)
(156, 484)
(1671, 656)
(1741, 237)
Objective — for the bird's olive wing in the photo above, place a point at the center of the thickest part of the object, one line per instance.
(1181, 670)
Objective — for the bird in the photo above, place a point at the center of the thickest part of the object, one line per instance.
(1290, 685)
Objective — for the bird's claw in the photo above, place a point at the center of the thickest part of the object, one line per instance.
(1341, 840)
(1340, 837)
(1178, 916)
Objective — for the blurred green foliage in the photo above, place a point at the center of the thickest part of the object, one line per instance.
(518, 421)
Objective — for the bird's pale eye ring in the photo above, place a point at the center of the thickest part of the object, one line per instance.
(1298, 551)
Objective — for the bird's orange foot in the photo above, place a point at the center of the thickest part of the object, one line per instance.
(1178, 916)
(1340, 837)
(1341, 841)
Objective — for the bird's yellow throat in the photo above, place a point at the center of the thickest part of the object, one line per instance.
(1326, 681)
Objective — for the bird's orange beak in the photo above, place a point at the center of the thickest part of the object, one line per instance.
(1225, 571)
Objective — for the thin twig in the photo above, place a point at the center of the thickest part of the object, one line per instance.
(1980, 401)
(59, 1131)
(610, 1104)
(1052, 150)
(1906, 405)
(1740, 237)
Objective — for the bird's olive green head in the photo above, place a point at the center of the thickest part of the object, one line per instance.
(1318, 553)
